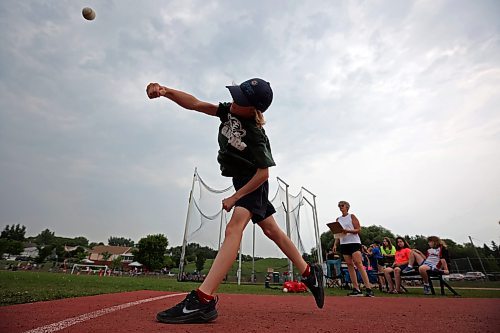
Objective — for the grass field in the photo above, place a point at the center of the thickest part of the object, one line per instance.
(24, 286)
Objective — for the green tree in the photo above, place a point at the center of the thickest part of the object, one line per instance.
(44, 252)
(11, 246)
(79, 255)
(45, 237)
(326, 240)
(117, 263)
(106, 255)
(15, 232)
(168, 262)
(418, 242)
(175, 255)
(120, 241)
(200, 262)
(487, 252)
(151, 251)
(496, 250)
(374, 232)
(78, 241)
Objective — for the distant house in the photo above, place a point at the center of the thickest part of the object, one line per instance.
(125, 252)
(30, 251)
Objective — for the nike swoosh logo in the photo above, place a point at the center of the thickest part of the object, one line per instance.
(316, 284)
(186, 311)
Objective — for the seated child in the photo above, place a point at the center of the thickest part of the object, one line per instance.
(435, 260)
(401, 259)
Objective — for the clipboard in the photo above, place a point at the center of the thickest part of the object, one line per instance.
(335, 227)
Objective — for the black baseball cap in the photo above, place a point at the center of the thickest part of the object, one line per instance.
(254, 92)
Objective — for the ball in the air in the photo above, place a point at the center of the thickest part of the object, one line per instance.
(285, 290)
(88, 13)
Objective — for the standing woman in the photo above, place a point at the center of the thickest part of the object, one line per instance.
(350, 248)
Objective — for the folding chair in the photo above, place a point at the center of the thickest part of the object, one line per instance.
(334, 277)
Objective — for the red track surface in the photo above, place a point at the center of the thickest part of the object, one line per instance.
(249, 313)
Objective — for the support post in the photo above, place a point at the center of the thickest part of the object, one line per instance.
(254, 279)
(316, 227)
(290, 265)
(184, 240)
(239, 263)
(478, 257)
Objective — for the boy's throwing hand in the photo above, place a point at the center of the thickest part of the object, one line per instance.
(154, 90)
(228, 203)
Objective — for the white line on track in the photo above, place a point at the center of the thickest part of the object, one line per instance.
(60, 325)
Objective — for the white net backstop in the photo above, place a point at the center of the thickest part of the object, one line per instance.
(295, 214)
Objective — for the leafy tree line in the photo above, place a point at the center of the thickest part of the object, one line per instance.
(153, 251)
(11, 239)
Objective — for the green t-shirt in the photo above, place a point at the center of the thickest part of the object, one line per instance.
(243, 146)
(386, 252)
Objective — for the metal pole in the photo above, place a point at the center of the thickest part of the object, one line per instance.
(184, 240)
(239, 263)
(316, 227)
(478, 257)
(253, 256)
(470, 264)
(220, 227)
(290, 265)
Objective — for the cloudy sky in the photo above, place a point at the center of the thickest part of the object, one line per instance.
(390, 105)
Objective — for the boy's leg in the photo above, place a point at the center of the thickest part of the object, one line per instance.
(199, 305)
(227, 252)
(312, 276)
(272, 230)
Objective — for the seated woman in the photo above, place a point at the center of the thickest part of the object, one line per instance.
(388, 251)
(435, 260)
(401, 258)
(376, 260)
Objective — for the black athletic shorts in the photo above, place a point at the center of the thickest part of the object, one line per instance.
(349, 248)
(256, 202)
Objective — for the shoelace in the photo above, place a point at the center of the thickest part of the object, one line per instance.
(192, 298)
(186, 300)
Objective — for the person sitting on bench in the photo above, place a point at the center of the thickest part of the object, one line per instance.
(435, 260)
(401, 260)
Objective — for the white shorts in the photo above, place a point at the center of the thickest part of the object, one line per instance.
(431, 265)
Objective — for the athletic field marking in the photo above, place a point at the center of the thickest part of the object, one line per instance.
(60, 325)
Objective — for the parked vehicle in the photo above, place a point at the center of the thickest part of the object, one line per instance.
(494, 276)
(473, 276)
(453, 277)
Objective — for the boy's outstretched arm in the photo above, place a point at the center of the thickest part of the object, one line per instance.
(187, 101)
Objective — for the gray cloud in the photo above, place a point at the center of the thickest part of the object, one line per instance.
(392, 106)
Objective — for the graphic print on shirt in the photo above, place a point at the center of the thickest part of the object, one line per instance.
(234, 132)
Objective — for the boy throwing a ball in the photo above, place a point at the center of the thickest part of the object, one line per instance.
(245, 156)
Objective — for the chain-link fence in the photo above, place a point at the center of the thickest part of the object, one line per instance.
(485, 265)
